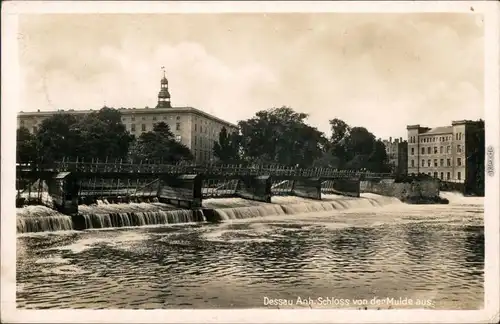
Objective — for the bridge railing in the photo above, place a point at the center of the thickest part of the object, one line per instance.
(214, 169)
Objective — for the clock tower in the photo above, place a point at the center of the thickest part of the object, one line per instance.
(164, 94)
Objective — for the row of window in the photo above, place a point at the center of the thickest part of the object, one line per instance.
(436, 139)
(441, 163)
(145, 129)
(441, 150)
(427, 139)
(153, 118)
(448, 175)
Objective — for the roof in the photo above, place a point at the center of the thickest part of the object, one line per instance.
(439, 130)
(129, 111)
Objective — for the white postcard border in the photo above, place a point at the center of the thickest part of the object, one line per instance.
(10, 100)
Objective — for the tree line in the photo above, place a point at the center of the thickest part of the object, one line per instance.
(274, 136)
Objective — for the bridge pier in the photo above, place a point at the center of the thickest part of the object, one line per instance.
(180, 190)
(64, 189)
(254, 188)
(307, 188)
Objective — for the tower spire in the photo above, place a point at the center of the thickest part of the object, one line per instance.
(164, 94)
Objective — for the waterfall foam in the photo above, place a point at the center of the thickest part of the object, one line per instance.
(110, 215)
(41, 219)
(291, 205)
(458, 198)
(105, 215)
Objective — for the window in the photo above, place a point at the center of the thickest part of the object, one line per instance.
(435, 162)
(459, 161)
(441, 150)
(456, 136)
(435, 174)
(143, 118)
(423, 150)
(195, 139)
(178, 126)
(441, 163)
(201, 129)
(124, 119)
(428, 163)
(132, 119)
(195, 127)
(178, 138)
(448, 176)
(459, 149)
(412, 163)
(22, 122)
(34, 129)
(143, 127)
(448, 149)
(132, 127)
(441, 175)
(429, 150)
(428, 173)
(423, 163)
(459, 175)
(435, 149)
(154, 117)
(178, 118)
(412, 151)
(448, 162)
(164, 117)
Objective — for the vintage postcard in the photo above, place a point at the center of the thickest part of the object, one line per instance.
(250, 162)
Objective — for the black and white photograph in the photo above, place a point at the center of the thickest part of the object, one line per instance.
(253, 156)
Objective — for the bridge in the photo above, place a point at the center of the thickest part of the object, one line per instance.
(73, 183)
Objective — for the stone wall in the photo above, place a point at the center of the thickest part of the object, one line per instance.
(415, 192)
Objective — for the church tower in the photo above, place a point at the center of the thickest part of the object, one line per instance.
(164, 95)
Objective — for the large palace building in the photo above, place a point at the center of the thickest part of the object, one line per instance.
(194, 128)
(443, 152)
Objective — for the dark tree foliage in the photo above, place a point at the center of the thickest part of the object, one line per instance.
(353, 148)
(476, 153)
(26, 150)
(159, 146)
(56, 138)
(280, 136)
(227, 148)
(99, 135)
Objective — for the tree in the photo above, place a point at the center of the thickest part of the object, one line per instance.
(103, 135)
(159, 145)
(26, 146)
(98, 135)
(227, 149)
(280, 135)
(56, 139)
(353, 148)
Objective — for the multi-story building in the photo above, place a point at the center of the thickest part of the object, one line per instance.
(444, 152)
(397, 153)
(192, 127)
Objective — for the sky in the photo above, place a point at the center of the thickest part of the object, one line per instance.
(375, 70)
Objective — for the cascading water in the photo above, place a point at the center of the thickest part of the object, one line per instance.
(41, 219)
(458, 198)
(292, 205)
(105, 215)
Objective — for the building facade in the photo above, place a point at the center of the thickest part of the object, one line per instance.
(192, 127)
(397, 153)
(443, 152)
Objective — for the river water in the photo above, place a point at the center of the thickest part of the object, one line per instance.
(432, 254)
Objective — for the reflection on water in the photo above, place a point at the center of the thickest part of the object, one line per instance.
(415, 251)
